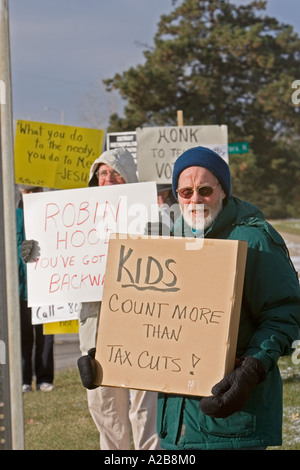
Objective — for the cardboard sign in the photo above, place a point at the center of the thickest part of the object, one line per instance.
(159, 147)
(169, 316)
(54, 313)
(72, 230)
(55, 156)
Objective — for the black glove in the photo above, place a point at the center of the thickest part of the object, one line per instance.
(232, 392)
(26, 250)
(86, 365)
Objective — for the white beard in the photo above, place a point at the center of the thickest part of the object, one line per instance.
(193, 214)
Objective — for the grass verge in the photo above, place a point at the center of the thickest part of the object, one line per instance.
(290, 374)
(60, 420)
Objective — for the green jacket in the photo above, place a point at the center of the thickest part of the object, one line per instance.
(269, 323)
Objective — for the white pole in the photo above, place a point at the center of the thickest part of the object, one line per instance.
(10, 238)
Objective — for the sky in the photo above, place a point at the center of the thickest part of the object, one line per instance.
(61, 48)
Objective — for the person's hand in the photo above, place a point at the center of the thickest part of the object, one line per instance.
(26, 250)
(87, 365)
(232, 392)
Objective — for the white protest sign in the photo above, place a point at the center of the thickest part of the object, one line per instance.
(72, 229)
(122, 139)
(159, 147)
(54, 313)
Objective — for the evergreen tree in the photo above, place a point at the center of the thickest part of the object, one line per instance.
(225, 64)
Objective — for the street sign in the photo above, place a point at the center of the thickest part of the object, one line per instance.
(238, 147)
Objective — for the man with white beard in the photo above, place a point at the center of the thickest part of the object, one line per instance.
(200, 196)
(202, 185)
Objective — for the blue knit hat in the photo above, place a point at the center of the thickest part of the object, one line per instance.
(204, 157)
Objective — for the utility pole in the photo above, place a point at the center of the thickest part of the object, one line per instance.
(11, 400)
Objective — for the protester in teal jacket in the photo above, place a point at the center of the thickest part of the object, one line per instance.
(37, 348)
(245, 410)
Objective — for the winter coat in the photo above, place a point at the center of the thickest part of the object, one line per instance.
(269, 323)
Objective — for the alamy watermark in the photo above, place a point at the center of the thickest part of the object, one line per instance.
(296, 95)
(133, 221)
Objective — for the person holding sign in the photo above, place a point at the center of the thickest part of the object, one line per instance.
(36, 347)
(244, 410)
(115, 411)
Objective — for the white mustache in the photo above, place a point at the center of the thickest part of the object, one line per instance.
(195, 208)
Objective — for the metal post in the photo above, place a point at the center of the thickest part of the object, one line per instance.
(5, 415)
(10, 240)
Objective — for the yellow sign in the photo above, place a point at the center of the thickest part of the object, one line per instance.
(55, 156)
(61, 327)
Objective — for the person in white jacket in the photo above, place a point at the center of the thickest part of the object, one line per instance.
(116, 411)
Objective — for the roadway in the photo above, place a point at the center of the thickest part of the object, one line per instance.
(66, 351)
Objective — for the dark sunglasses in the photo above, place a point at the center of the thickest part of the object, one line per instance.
(204, 191)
